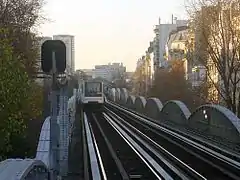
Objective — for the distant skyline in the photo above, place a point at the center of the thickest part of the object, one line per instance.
(109, 30)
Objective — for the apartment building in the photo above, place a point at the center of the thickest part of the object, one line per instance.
(176, 47)
(162, 32)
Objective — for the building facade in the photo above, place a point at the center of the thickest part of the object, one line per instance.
(143, 75)
(198, 75)
(176, 48)
(88, 72)
(162, 32)
(110, 72)
(70, 52)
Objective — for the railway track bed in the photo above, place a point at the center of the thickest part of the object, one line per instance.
(120, 161)
(118, 144)
(206, 164)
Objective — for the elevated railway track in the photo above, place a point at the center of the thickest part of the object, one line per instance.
(120, 144)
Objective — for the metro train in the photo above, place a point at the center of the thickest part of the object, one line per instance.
(92, 96)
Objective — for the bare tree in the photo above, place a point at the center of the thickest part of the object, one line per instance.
(215, 24)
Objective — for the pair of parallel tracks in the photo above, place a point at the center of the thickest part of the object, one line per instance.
(122, 145)
(116, 153)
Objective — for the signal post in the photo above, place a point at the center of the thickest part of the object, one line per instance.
(53, 61)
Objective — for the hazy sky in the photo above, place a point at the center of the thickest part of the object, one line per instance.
(109, 30)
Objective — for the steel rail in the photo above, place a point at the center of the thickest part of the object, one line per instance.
(98, 155)
(226, 161)
(191, 136)
(95, 169)
(190, 171)
(112, 152)
(146, 158)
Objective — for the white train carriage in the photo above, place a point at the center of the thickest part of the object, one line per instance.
(92, 95)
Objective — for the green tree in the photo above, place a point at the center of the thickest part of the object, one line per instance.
(14, 85)
(21, 97)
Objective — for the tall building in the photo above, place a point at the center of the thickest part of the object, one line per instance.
(70, 51)
(156, 56)
(162, 32)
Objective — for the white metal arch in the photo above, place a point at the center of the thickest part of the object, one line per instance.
(43, 149)
(20, 169)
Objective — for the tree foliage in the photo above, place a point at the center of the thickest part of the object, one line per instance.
(14, 87)
(21, 18)
(170, 84)
(216, 25)
(21, 97)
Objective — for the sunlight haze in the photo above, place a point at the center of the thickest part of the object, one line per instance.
(109, 30)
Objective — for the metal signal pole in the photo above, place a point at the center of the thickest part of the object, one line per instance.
(54, 129)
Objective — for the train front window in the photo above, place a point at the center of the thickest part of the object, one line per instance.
(93, 89)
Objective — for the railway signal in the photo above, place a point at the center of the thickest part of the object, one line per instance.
(53, 50)
(53, 60)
